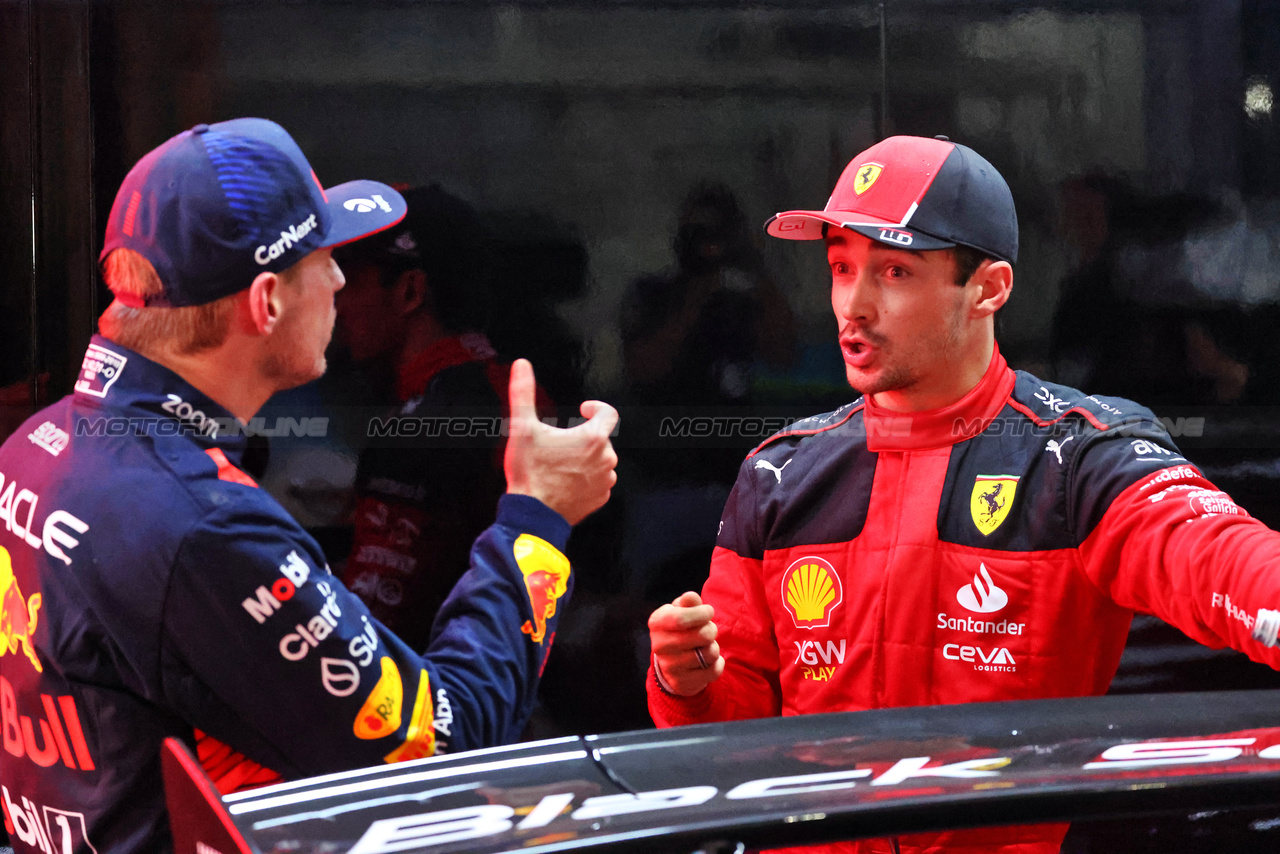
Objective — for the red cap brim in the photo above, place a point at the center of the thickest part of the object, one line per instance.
(807, 225)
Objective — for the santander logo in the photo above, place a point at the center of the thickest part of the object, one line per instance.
(982, 595)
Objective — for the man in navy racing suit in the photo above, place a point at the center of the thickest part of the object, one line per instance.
(151, 589)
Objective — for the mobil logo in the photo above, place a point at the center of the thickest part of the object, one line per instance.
(294, 573)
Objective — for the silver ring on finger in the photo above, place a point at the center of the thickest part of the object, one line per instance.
(702, 662)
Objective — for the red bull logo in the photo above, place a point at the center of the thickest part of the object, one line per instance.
(17, 614)
(546, 578)
(44, 740)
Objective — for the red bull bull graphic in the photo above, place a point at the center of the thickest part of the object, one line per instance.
(546, 578)
(17, 614)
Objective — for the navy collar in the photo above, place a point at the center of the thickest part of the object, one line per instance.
(152, 400)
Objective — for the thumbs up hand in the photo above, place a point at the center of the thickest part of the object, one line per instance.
(569, 470)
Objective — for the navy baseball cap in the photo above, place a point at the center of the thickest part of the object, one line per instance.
(216, 205)
(916, 193)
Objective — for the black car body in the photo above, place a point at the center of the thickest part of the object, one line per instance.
(762, 783)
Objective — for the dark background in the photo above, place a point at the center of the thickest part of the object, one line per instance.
(1138, 138)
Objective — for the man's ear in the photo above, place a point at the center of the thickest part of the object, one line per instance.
(995, 283)
(409, 293)
(264, 303)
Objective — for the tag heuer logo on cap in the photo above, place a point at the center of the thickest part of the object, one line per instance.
(867, 175)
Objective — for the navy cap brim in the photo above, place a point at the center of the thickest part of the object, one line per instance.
(902, 238)
(360, 208)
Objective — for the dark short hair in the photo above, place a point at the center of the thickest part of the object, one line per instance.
(445, 238)
(968, 260)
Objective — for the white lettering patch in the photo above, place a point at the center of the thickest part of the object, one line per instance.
(266, 254)
(18, 513)
(99, 370)
(1169, 475)
(50, 437)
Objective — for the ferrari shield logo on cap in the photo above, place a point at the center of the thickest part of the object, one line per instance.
(991, 500)
(867, 175)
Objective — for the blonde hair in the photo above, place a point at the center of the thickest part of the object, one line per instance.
(184, 330)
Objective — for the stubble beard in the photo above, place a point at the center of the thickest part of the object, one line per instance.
(289, 363)
(908, 372)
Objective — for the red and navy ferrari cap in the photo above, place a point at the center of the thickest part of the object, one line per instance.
(916, 193)
(216, 205)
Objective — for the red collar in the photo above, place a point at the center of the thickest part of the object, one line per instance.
(445, 353)
(938, 428)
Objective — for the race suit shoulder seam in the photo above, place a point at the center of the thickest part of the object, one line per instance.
(1134, 425)
(812, 425)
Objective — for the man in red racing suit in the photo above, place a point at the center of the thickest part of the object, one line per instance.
(963, 532)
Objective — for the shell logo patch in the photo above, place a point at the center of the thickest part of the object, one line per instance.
(18, 615)
(546, 578)
(867, 175)
(991, 500)
(380, 714)
(811, 591)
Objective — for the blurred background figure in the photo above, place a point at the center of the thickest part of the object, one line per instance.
(692, 334)
(411, 317)
(1164, 301)
(694, 338)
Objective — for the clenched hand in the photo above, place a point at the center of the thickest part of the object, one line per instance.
(684, 645)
